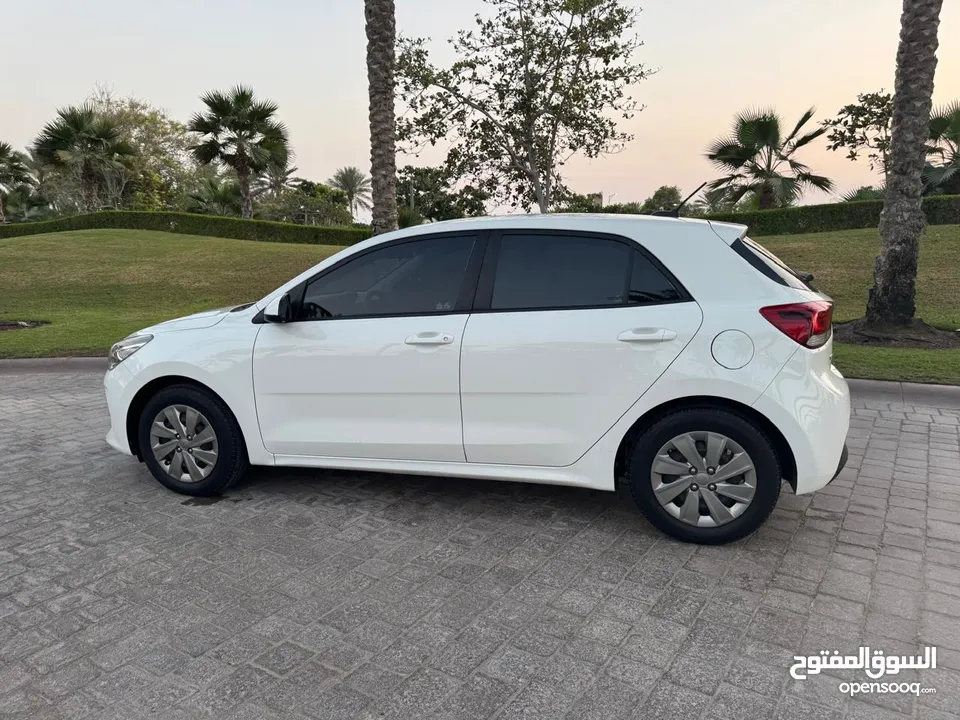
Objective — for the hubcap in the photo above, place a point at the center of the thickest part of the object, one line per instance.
(184, 443)
(732, 478)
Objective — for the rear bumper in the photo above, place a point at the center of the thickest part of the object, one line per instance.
(843, 462)
(811, 408)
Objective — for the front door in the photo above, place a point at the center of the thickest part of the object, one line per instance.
(370, 366)
(568, 331)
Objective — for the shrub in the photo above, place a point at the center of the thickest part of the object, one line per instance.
(190, 224)
(939, 209)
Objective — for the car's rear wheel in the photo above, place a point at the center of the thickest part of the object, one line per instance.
(191, 442)
(704, 475)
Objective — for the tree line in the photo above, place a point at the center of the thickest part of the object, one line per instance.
(111, 153)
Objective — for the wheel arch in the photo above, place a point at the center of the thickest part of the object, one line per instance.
(148, 391)
(788, 463)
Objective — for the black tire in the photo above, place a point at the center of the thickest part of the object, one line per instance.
(231, 462)
(743, 432)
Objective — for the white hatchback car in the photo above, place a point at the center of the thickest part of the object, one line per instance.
(673, 357)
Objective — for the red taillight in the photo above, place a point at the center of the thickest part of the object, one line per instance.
(808, 323)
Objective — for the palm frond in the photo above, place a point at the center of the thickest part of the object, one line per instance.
(804, 119)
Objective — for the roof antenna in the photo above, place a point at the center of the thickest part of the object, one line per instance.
(675, 213)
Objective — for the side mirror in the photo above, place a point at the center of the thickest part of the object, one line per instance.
(279, 310)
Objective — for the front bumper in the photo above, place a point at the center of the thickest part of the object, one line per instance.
(119, 387)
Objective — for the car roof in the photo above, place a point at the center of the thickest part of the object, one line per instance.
(602, 222)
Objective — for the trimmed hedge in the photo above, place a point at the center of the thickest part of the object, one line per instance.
(191, 224)
(939, 209)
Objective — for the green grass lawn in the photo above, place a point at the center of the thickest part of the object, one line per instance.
(842, 264)
(96, 286)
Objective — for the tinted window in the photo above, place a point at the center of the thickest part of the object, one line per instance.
(768, 263)
(558, 271)
(648, 284)
(413, 278)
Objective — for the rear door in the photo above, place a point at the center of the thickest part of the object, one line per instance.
(568, 331)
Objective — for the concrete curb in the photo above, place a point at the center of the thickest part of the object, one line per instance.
(943, 396)
(947, 396)
(54, 365)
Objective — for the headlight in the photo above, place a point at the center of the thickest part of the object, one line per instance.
(125, 348)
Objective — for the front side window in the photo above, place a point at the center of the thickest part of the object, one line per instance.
(420, 277)
(559, 271)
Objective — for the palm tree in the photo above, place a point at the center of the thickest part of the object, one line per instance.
(892, 298)
(945, 143)
(13, 171)
(381, 28)
(356, 185)
(85, 143)
(275, 179)
(864, 192)
(23, 203)
(760, 161)
(240, 132)
(215, 196)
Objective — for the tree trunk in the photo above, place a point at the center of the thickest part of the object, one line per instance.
(3, 218)
(381, 26)
(768, 198)
(88, 181)
(246, 198)
(892, 298)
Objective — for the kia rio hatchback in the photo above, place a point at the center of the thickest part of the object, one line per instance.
(674, 358)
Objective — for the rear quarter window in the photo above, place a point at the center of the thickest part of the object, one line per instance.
(768, 264)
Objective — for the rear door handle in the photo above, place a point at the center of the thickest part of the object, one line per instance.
(647, 335)
(429, 338)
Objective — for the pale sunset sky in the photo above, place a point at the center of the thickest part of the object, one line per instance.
(715, 57)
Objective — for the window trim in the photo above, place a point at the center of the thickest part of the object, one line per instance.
(464, 298)
(484, 294)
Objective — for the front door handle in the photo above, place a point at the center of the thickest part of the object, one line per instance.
(429, 338)
(647, 335)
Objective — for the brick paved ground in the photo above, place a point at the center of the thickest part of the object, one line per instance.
(335, 596)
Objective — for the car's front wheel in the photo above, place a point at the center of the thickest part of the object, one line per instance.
(705, 476)
(191, 442)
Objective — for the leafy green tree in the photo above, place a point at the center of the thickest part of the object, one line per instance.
(535, 84)
(863, 126)
(86, 144)
(162, 171)
(13, 172)
(241, 132)
(356, 185)
(945, 147)
(760, 159)
(381, 30)
(289, 205)
(665, 197)
(431, 192)
(892, 299)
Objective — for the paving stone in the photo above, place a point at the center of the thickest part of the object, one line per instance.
(333, 595)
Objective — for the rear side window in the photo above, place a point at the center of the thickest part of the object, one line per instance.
(768, 264)
(559, 271)
(648, 284)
